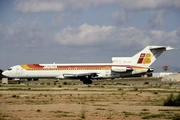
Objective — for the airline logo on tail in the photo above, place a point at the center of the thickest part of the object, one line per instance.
(144, 58)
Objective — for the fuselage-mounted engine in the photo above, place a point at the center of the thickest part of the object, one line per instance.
(120, 69)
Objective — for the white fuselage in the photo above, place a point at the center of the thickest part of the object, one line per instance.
(103, 70)
(120, 67)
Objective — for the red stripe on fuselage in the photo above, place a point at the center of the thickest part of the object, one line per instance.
(37, 66)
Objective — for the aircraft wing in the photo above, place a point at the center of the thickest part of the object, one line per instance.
(79, 75)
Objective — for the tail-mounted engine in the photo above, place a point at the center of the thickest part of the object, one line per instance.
(120, 69)
(150, 70)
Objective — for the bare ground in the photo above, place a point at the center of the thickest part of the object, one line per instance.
(67, 100)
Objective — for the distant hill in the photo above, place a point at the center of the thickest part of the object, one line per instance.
(171, 69)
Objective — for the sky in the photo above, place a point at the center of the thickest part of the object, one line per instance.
(93, 31)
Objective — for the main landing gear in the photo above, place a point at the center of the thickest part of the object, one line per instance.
(88, 81)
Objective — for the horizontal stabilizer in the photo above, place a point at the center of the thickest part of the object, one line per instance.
(161, 47)
(144, 58)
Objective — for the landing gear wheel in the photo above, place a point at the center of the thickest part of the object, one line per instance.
(18, 82)
(84, 82)
(87, 81)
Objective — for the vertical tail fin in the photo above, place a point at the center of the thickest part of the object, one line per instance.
(144, 58)
(149, 54)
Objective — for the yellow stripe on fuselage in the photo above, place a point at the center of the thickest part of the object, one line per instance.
(24, 66)
(140, 68)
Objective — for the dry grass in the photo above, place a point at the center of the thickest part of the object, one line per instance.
(123, 99)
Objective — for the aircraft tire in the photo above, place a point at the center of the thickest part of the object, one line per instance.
(87, 81)
(18, 81)
(84, 81)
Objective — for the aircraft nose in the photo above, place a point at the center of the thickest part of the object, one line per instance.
(4, 73)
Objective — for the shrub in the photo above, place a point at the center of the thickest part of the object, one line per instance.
(15, 96)
(170, 84)
(54, 83)
(120, 89)
(176, 117)
(145, 109)
(33, 97)
(75, 88)
(110, 113)
(38, 110)
(155, 92)
(59, 85)
(172, 100)
(135, 89)
(65, 83)
(42, 83)
(146, 83)
(48, 83)
(83, 112)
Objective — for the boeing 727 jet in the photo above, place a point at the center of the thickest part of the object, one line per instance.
(120, 67)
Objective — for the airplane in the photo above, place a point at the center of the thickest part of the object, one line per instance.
(118, 68)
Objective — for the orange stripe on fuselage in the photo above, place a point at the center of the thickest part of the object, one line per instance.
(78, 67)
(35, 66)
(31, 66)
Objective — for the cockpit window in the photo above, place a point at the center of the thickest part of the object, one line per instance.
(10, 69)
